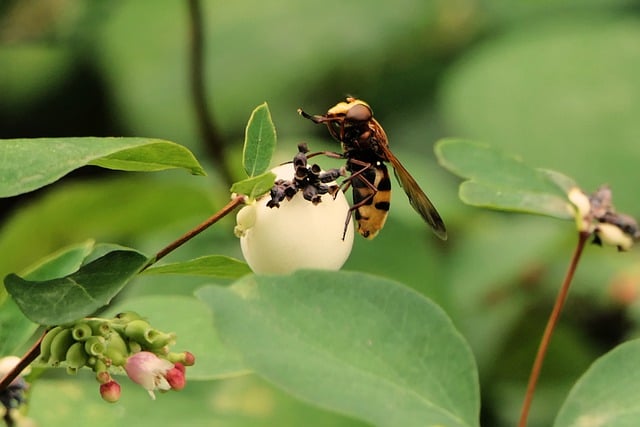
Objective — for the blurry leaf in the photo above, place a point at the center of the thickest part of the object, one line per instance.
(255, 186)
(608, 393)
(29, 164)
(357, 344)
(123, 209)
(64, 299)
(29, 71)
(209, 266)
(259, 141)
(15, 329)
(559, 92)
(61, 263)
(245, 401)
(195, 330)
(497, 181)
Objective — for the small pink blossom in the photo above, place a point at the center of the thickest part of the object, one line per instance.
(154, 373)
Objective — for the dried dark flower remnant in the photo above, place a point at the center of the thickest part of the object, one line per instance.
(596, 215)
(311, 180)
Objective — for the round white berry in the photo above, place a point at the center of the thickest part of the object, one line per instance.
(297, 235)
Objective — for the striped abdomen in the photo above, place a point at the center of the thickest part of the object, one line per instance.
(371, 199)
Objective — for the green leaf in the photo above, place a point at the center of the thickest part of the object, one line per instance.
(15, 328)
(192, 322)
(552, 111)
(28, 164)
(608, 393)
(210, 266)
(64, 299)
(259, 141)
(256, 186)
(357, 344)
(499, 181)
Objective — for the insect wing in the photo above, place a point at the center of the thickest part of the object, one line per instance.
(417, 198)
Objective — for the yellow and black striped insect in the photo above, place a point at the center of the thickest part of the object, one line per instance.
(366, 148)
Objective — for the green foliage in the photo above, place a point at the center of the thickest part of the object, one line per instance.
(72, 296)
(32, 163)
(259, 141)
(607, 394)
(553, 83)
(254, 186)
(208, 266)
(358, 344)
(498, 181)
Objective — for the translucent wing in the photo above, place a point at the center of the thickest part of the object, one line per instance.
(417, 198)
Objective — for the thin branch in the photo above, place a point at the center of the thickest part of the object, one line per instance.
(235, 202)
(548, 331)
(31, 355)
(209, 132)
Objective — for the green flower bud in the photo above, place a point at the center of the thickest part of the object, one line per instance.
(95, 346)
(99, 327)
(45, 344)
(76, 356)
(137, 330)
(134, 347)
(148, 337)
(117, 350)
(60, 345)
(102, 372)
(81, 331)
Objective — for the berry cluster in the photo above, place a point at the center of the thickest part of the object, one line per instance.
(311, 180)
(598, 216)
(126, 342)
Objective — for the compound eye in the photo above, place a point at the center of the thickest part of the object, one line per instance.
(359, 113)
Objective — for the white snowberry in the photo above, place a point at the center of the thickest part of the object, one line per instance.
(296, 235)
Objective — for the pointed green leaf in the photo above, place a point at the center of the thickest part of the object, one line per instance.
(60, 300)
(498, 181)
(209, 266)
(608, 393)
(256, 186)
(259, 141)
(357, 344)
(28, 164)
(15, 328)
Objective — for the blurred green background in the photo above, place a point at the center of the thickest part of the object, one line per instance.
(555, 82)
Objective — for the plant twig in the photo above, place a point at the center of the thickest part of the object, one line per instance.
(31, 355)
(211, 136)
(235, 202)
(548, 331)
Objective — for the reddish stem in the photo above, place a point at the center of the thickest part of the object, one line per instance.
(548, 331)
(26, 360)
(234, 203)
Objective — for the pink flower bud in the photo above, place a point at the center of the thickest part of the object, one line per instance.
(110, 391)
(189, 359)
(175, 377)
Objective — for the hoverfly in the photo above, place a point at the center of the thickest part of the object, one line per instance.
(366, 149)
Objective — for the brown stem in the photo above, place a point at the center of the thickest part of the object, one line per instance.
(235, 202)
(26, 360)
(548, 331)
(211, 137)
